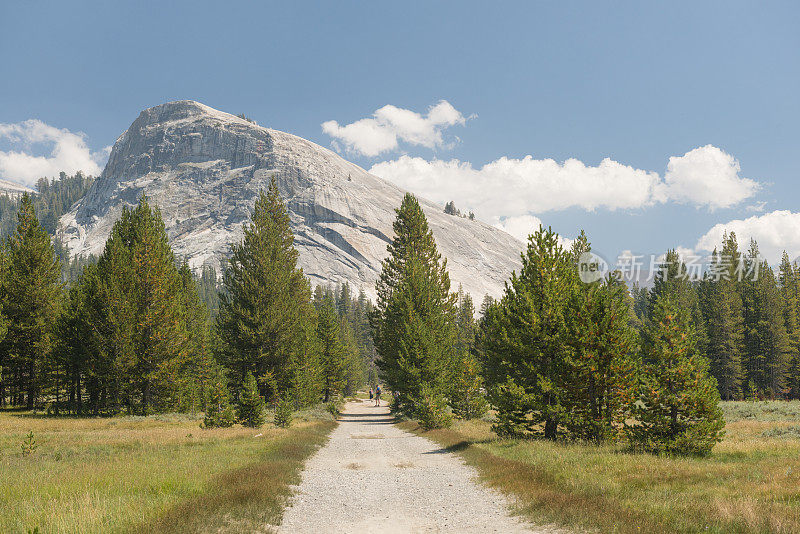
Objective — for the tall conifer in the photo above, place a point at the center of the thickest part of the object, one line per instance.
(31, 298)
(525, 340)
(415, 318)
(265, 322)
(678, 408)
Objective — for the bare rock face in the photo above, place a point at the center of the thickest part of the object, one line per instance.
(204, 168)
(13, 189)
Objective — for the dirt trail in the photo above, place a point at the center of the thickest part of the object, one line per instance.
(374, 477)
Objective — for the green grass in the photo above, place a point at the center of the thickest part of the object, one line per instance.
(750, 483)
(149, 474)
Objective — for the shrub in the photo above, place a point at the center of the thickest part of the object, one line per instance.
(283, 413)
(250, 409)
(219, 412)
(29, 446)
(332, 409)
(466, 395)
(431, 409)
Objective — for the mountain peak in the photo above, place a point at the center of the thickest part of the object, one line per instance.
(204, 168)
(179, 110)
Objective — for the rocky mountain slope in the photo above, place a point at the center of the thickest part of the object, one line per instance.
(13, 189)
(204, 168)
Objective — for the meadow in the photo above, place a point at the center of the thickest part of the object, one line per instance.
(148, 474)
(750, 482)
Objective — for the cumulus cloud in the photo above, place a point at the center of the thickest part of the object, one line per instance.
(391, 125)
(520, 227)
(707, 176)
(774, 232)
(68, 152)
(514, 187)
(508, 187)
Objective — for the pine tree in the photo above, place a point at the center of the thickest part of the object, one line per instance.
(674, 278)
(265, 322)
(192, 369)
(790, 290)
(678, 410)
(466, 392)
(722, 307)
(250, 408)
(219, 412)
(414, 323)
(333, 353)
(134, 333)
(524, 340)
(599, 381)
(721, 301)
(767, 345)
(31, 298)
(140, 293)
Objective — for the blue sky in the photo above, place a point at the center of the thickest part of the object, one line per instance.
(634, 82)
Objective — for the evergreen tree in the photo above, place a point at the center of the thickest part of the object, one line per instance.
(723, 314)
(600, 376)
(524, 340)
(722, 308)
(673, 277)
(265, 322)
(678, 410)
(466, 392)
(134, 325)
(333, 353)
(219, 412)
(208, 289)
(31, 298)
(250, 408)
(414, 324)
(790, 290)
(142, 293)
(767, 345)
(191, 372)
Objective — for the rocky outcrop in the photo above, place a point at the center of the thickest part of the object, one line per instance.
(204, 168)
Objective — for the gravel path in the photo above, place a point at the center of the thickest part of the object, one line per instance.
(374, 477)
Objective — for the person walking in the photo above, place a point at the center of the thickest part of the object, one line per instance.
(378, 396)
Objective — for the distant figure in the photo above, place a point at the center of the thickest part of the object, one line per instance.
(370, 394)
(378, 396)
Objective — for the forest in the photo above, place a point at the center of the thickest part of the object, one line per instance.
(136, 331)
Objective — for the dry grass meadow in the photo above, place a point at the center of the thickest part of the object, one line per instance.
(750, 483)
(148, 474)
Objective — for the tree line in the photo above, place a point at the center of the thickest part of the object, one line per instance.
(745, 316)
(137, 332)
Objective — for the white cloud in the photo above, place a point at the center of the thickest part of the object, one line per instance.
(707, 176)
(774, 232)
(69, 152)
(510, 187)
(390, 125)
(520, 227)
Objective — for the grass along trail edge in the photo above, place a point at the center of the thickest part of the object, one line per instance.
(750, 483)
(150, 474)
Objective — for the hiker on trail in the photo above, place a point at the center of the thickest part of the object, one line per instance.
(370, 394)
(378, 396)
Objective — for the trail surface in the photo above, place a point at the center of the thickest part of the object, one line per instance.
(374, 477)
